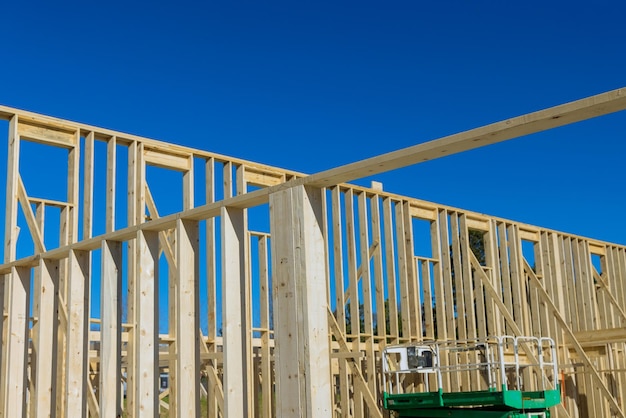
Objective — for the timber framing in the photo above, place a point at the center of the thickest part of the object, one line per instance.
(275, 331)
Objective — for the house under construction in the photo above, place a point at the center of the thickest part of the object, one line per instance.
(273, 293)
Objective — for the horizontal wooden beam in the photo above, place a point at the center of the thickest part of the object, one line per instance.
(590, 107)
(601, 336)
(122, 138)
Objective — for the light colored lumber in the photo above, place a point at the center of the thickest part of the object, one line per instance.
(390, 270)
(301, 328)
(31, 219)
(377, 271)
(590, 367)
(340, 299)
(368, 292)
(188, 317)
(146, 316)
(10, 216)
(45, 342)
(576, 111)
(47, 134)
(73, 189)
(357, 375)
(601, 336)
(237, 357)
(263, 177)
(131, 219)
(15, 359)
(405, 305)
(111, 330)
(111, 171)
(265, 305)
(167, 160)
(88, 186)
(77, 326)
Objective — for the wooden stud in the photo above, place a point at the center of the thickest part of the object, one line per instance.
(300, 305)
(10, 217)
(88, 186)
(111, 330)
(379, 286)
(340, 302)
(146, 336)
(392, 295)
(264, 311)
(188, 183)
(368, 325)
(405, 305)
(73, 181)
(111, 184)
(45, 338)
(211, 278)
(188, 326)
(415, 308)
(237, 358)
(13, 382)
(77, 335)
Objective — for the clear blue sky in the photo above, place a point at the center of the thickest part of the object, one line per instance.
(311, 85)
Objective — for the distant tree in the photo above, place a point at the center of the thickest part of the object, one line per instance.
(477, 246)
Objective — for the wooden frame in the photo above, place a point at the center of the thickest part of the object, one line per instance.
(335, 277)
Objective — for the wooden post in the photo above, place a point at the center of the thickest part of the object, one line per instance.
(236, 330)
(88, 186)
(188, 320)
(10, 217)
(211, 277)
(111, 184)
(300, 307)
(111, 332)
(45, 338)
(16, 354)
(77, 347)
(147, 332)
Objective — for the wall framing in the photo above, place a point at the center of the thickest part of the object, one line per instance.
(281, 303)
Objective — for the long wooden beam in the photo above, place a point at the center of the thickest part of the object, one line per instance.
(587, 108)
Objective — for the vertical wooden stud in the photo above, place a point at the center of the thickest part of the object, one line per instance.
(13, 383)
(300, 305)
(211, 278)
(390, 269)
(110, 184)
(111, 331)
(188, 320)
(340, 302)
(45, 338)
(266, 360)
(146, 325)
(88, 186)
(237, 357)
(366, 282)
(10, 217)
(73, 181)
(77, 335)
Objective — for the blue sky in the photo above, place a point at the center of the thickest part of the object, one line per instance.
(311, 85)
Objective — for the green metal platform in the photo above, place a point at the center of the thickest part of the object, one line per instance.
(496, 404)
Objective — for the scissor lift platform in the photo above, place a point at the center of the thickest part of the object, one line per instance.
(515, 376)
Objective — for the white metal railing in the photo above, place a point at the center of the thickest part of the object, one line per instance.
(492, 363)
